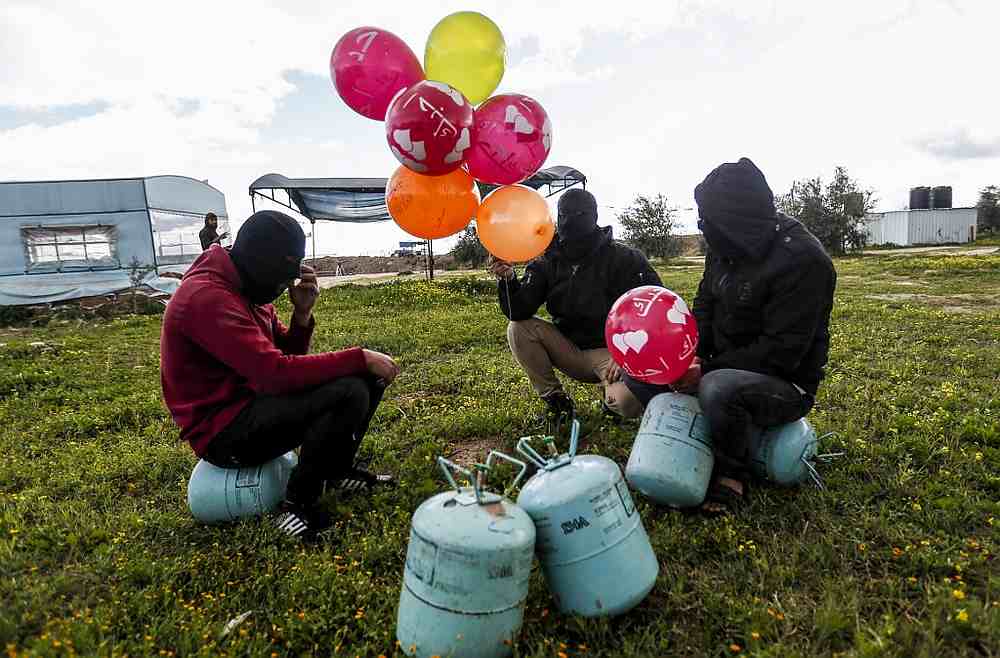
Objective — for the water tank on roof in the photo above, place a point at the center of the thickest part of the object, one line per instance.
(920, 198)
(941, 197)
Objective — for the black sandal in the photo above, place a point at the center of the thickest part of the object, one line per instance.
(721, 498)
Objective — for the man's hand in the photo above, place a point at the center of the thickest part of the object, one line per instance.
(613, 373)
(304, 295)
(381, 365)
(688, 383)
(501, 269)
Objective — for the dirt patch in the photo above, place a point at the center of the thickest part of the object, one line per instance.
(936, 251)
(348, 265)
(472, 451)
(960, 303)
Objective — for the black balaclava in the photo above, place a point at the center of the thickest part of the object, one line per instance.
(577, 227)
(268, 254)
(736, 207)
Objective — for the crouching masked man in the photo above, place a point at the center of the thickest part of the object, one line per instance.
(579, 278)
(763, 312)
(242, 386)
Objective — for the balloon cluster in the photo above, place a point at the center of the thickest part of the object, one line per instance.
(447, 133)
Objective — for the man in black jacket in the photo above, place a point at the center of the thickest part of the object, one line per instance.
(579, 277)
(763, 312)
(208, 234)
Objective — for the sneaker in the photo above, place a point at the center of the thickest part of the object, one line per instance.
(360, 480)
(559, 404)
(610, 415)
(558, 410)
(301, 522)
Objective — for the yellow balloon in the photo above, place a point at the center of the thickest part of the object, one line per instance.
(467, 51)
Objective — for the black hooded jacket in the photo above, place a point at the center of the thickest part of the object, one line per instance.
(578, 295)
(765, 299)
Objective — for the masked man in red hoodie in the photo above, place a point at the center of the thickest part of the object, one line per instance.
(241, 385)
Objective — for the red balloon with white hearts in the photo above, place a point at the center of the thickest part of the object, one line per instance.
(429, 127)
(652, 334)
(511, 140)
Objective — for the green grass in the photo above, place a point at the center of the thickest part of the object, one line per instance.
(99, 555)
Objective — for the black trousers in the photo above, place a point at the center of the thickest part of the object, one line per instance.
(327, 422)
(740, 405)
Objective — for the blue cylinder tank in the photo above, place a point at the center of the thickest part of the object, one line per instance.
(782, 454)
(466, 576)
(672, 458)
(218, 495)
(593, 548)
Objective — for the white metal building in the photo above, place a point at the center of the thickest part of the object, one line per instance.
(922, 227)
(63, 240)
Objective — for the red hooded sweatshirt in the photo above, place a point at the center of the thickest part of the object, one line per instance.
(218, 351)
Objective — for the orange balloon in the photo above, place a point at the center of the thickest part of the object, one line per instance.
(432, 207)
(514, 223)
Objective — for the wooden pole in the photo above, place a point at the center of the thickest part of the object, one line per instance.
(430, 259)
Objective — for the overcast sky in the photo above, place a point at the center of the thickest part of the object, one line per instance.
(644, 97)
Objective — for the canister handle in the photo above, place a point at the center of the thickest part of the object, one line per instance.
(515, 462)
(446, 465)
(528, 451)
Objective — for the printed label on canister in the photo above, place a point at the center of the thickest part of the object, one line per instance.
(699, 429)
(626, 497)
(463, 581)
(421, 558)
(249, 476)
(597, 519)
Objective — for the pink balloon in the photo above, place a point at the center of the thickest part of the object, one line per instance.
(651, 334)
(429, 128)
(511, 140)
(369, 66)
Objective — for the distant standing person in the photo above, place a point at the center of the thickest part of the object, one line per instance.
(209, 234)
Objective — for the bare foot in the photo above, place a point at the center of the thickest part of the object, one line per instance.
(721, 492)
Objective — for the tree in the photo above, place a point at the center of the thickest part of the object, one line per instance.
(137, 272)
(469, 250)
(649, 226)
(835, 214)
(989, 209)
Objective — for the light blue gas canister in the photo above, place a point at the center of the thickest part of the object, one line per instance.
(785, 454)
(218, 495)
(467, 569)
(593, 548)
(672, 458)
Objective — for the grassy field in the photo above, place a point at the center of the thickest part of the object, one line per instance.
(99, 555)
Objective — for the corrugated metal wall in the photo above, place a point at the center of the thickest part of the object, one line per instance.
(940, 226)
(915, 227)
(888, 228)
